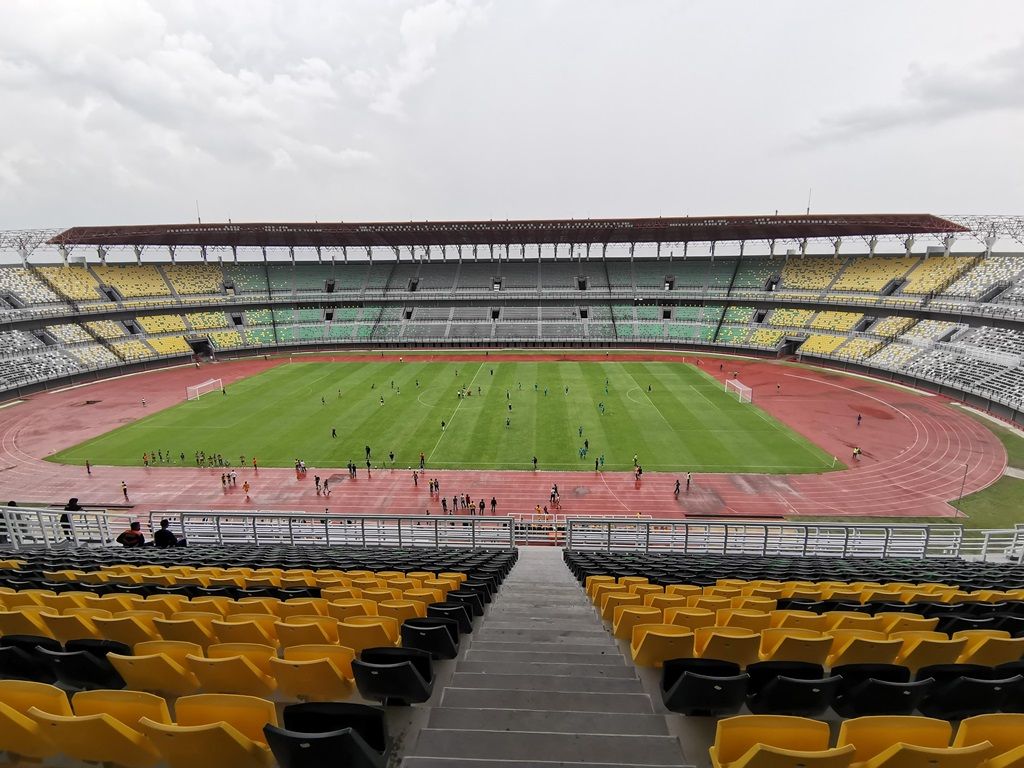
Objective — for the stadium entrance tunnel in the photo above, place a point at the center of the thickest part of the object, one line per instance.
(201, 347)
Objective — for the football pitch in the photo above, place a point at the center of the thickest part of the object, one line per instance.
(674, 417)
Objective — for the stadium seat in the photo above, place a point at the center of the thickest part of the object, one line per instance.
(795, 619)
(775, 741)
(878, 689)
(246, 628)
(963, 696)
(402, 609)
(394, 676)
(453, 611)
(628, 616)
(307, 630)
(690, 618)
(125, 706)
(1003, 731)
(652, 644)
(99, 738)
(741, 618)
(235, 674)
(728, 644)
(359, 632)
(188, 630)
(871, 736)
(704, 687)
(790, 688)
(988, 649)
(20, 660)
(439, 637)
(126, 629)
(922, 649)
(82, 670)
(343, 609)
(320, 734)
(155, 672)
(903, 755)
(314, 673)
(853, 646)
(781, 644)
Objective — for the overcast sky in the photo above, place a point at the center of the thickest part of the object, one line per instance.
(128, 111)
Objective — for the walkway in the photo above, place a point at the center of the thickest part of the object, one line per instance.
(542, 682)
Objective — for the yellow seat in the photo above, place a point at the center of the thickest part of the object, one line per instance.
(187, 630)
(909, 756)
(870, 736)
(775, 741)
(663, 601)
(266, 605)
(381, 593)
(711, 602)
(212, 745)
(247, 628)
(402, 609)
(629, 580)
(853, 620)
(922, 649)
(98, 738)
(231, 674)
(646, 589)
(339, 593)
(168, 605)
(303, 606)
(125, 706)
(307, 630)
(343, 609)
(126, 629)
(600, 589)
(1003, 731)
(212, 604)
(22, 695)
(25, 622)
(155, 672)
(404, 584)
(691, 618)
(314, 673)
(791, 619)
(854, 646)
(27, 597)
(115, 603)
(176, 650)
(728, 644)
(65, 600)
(71, 627)
(906, 622)
(628, 616)
(246, 714)
(426, 595)
(361, 632)
(682, 590)
(652, 644)
(22, 736)
(989, 648)
(782, 644)
(742, 618)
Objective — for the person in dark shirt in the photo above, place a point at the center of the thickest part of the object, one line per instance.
(163, 537)
(65, 519)
(132, 536)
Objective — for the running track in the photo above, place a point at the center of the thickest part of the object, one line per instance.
(915, 451)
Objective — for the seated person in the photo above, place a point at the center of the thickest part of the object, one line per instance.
(164, 537)
(132, 537)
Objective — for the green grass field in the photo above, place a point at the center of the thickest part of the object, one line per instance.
(685, 422)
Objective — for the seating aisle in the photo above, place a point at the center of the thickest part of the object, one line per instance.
(543, 682)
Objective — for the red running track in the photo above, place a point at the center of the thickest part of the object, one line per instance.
(915, 447)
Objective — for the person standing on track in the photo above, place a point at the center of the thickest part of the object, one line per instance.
(676, 491)
(688, 482)
(494, 505)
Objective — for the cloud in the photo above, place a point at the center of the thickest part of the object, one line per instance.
(929, 96)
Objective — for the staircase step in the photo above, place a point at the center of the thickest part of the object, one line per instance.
(550, 667)
(534, 720)
(589, 636)
(554, 701)
(557, 648)
(545, 683)
(591, 659)
(571, 747)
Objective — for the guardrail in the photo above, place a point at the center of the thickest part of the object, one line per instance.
(39, 527)
(770, 538)
(293, 528)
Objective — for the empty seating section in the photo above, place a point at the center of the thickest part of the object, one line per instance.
(600, 330)
(892, 326)
(732, 335)
(431, 313)
(989, 272)
(377, 276)
(810, 274)
(870, 275)
(951, 366)
(478, 276)
(107, 329)
(859, 348)
(821, 344)
(346, 314)
(1005, 340)
(424, 331)
(14, 342)
(284, 315)
(190, 279)
(652, 275)
(836, 321)
(69, 333)
(340, 331)
(469, 331)
(936, 273)
(690, 332)
(226, 339)
(170, 345)
(471, 313)
(257, 317)
(39, 366)
(623, 312)
(648, 330)
(930, 330)
(437, 277)
(26, 286)
(764, 337)
(75, 283)
(894, 355)
(131, 350)
(161, 323)
(309, 315)
(755, 273)
(203, 320)
(301, 278)
(246, 278)
(260, 336)
(737, 314)
(790, 318)
(93, 355)
(133, 280)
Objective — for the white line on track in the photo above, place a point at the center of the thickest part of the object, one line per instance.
(452, 417)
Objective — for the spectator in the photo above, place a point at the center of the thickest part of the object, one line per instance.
(132, 536)
(164, 537)
(65, 519)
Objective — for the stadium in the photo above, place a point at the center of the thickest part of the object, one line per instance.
(759, 485)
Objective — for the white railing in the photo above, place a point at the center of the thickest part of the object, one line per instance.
(26, 527)
(294, 528)
(766, 538)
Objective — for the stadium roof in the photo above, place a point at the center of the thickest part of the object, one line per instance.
(544, 231)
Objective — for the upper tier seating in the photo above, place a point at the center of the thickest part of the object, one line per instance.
(133, 280)
(247, 278)
(988, 272)
(437, 277)
(107, 329)
(13, 342)
(1005, 340)
(763, 337)
(870, 275)
(77, 283)
(69, 333)
(737, 314)
(930, 330)
(836, 321)
(203, 320)
(161, 323)
(26, 286)
(935, 273)
(892, 326)
(791, 318)
(755, 273)
(810, 274)
(195, 278)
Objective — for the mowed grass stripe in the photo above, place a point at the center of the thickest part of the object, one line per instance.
(686, 422)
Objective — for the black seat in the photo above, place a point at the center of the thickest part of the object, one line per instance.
(18, 664)
(959, 622)
(707, 687)
(790, 688)
(395, 676)
(468, 598)
(438, 637)
(878, 689)
(319, 734)
(964, 697)
(82, 670)
(98, 647)
(458, 611)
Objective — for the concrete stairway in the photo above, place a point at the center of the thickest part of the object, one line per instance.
(542, 683)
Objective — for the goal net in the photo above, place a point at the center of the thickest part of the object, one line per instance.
(742, 392)
(198, 390)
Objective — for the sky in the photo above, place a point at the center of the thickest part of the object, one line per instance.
(136, 111)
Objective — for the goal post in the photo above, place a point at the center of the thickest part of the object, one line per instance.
(741, 391)
(196, 391)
